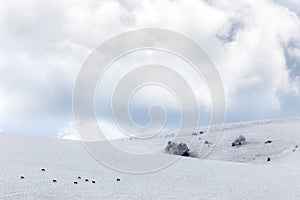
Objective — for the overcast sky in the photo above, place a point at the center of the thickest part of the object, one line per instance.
(255, 46)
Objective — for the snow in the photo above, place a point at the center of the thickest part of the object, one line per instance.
(227, 173)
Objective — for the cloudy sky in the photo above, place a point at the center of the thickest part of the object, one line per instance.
(255, 46)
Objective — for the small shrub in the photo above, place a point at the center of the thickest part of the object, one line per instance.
(239, 141)
(177, 149)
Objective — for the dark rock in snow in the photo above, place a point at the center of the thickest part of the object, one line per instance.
(268, 142)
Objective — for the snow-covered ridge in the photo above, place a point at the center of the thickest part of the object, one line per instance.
(283, 135)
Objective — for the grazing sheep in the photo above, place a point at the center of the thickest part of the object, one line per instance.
(118, 179)
(22, 177)
(79, 177)
(86, 180)
(268, 142)
(43, 170)
(269, 159)
(75, 182)
(54, 181)
(94, 182)
(201, 132)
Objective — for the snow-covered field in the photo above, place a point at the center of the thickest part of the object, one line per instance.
(227, 173)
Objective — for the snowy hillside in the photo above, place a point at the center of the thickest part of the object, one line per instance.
(45, 168)
(274, 139)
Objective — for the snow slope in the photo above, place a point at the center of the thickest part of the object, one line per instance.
(227, 173)
(284, 135)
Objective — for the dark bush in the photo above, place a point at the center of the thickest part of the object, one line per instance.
(177, 149)
(239, 141)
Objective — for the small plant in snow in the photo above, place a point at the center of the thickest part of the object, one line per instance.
(177, 149)
(239, 141)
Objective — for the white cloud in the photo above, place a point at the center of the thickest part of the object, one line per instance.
(44, 43)
(292, 5)
(110, 131)
(294, 52)
(252, 63)
(68, 132)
